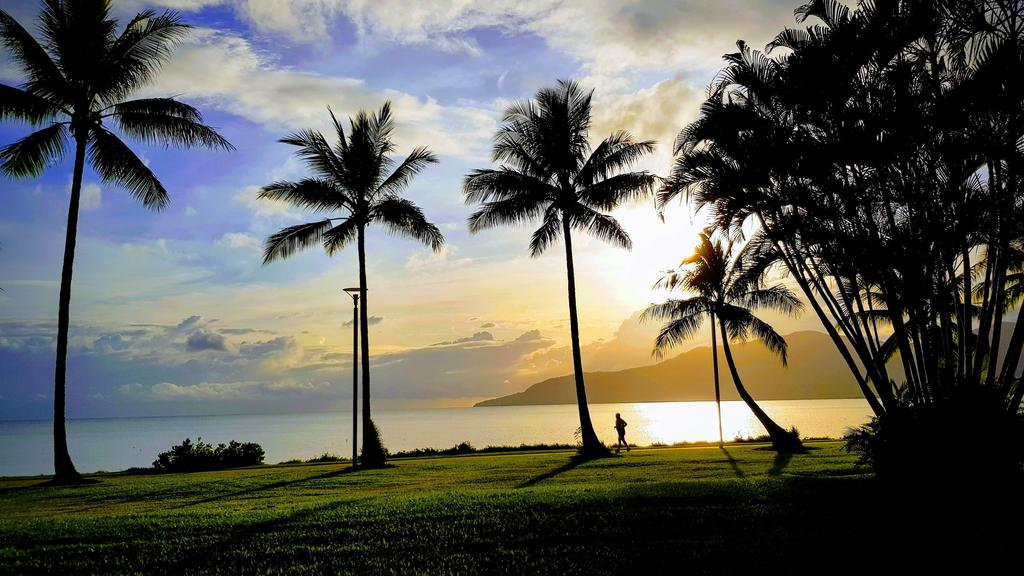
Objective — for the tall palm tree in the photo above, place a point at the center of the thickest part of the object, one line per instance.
(549, 171)
(727, 290)
(357, 179)
(77, 84)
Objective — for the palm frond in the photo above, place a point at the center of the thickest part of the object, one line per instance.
(289, 240)
(413, 164)
(501, 184)
(598, 225)
(514, 210)
(776, 297)
(614, 153)
(115, 162)
(31, 155)
(313, 194)
(611, 193)
(317, 153)
(146, 43)
(154, 128)
(548, 232)
(403, 218)
(43, 78)
(338, 237)
(16, 104)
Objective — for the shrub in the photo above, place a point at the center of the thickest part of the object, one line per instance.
(189, 457)
(967, 436)
(325, 457)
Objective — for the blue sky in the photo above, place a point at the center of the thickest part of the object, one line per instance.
(173, 313)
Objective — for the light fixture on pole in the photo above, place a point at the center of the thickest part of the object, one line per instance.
(354, 293)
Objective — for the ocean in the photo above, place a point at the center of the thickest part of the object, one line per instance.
(113, 444)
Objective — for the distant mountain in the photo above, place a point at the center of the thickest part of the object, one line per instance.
(816, 370)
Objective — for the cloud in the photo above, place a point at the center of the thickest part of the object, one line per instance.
(477, 337)
(238, 240)
(487, 325)
(92, 196)
(206, 340)
(372, 321)
(226, 72)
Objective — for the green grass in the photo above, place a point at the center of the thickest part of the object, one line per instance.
(670, 510)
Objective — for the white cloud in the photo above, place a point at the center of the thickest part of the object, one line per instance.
(228, 73)
(238, 240)
(92, 196)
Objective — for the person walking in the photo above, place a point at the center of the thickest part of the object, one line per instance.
(620, 427)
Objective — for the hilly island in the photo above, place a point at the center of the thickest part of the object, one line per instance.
(815, 370)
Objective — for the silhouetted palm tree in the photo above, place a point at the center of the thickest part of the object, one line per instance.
(727, 290)
(358, 179)
(77, 82)
(549, 171)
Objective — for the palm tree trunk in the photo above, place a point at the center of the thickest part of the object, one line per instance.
(591, 445)
(781, 440)
(63, 468)
(718, 394)
(373, 452)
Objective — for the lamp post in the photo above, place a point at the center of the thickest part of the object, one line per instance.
(354, 293)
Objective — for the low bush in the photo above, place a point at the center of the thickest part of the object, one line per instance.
(198, 456)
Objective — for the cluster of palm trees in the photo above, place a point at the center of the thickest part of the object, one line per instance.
(879, 156)
(874, 157)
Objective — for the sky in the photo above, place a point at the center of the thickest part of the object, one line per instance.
(173, 311)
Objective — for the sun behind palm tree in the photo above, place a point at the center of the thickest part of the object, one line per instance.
(76, 86)
(727, 290)
(354, 178)
(549, 171)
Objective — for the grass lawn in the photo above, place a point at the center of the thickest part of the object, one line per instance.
(703, 510)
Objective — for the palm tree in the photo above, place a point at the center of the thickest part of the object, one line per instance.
(77, 84)
(357, 179)
(727, 291)
(549, 171)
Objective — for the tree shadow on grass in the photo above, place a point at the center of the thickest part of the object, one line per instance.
(732, 462)
(275, 485)
(782, 460)
(572, 463)
(235, 537)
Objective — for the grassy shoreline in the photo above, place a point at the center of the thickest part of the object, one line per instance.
(694, 510)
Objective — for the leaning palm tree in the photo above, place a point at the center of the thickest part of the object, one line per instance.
(77, 83)
(549, 171)
(726, 291)
(358, 180)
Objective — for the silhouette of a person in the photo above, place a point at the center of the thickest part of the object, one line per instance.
(620, 427)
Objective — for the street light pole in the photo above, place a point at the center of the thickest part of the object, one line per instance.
(354, 293)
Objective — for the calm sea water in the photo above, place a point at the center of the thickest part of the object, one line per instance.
(120, 443)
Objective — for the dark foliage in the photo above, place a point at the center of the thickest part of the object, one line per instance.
(374, 453)
(189, 457)
(916, 442)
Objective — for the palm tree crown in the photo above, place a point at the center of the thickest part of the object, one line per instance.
(728, 289)
(355, 177)
(77, 83)
(549, 171)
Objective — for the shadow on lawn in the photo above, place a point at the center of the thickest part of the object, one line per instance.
(572, 463)
(212, 550)
(273, 486)
(732, 462)
(782, 460)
